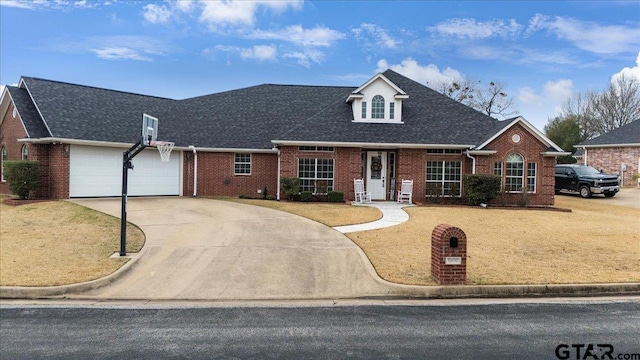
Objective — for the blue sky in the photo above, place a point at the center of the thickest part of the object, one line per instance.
(544, 51)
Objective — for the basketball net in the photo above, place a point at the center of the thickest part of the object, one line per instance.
(164, 148)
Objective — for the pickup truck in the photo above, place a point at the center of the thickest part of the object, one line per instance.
(585, 180)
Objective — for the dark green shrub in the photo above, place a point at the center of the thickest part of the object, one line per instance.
(335, 196)
(480, 188)
(306, 196)
(23, 176)
(290, 187)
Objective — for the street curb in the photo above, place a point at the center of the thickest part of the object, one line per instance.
(29, 292)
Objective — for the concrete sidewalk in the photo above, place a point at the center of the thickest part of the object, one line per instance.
(392, 215)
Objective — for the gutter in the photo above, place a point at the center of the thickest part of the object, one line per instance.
(473, 167)
(195, 170)
(278, 185)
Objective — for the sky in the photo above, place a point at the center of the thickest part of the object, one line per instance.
(542, 51)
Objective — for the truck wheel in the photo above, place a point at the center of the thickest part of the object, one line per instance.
(585, 192)
(609, 194)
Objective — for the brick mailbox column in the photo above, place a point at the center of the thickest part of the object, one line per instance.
(448, 255)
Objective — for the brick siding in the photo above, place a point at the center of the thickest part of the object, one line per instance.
(610, 159)
(216, 175)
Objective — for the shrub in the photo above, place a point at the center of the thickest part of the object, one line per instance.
(23, 176)
(306, 196)
(290, 187)
(480, 188)
(335, 196)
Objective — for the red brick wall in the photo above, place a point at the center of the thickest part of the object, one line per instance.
(610, 159)
(346, 161)
(530, 148)
(216, 175)
(11, 130)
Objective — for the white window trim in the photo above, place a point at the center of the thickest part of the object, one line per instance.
(24, 152)
(523, 177)
(235, 162)
(315, 179)
(534, 177)
(443, 180)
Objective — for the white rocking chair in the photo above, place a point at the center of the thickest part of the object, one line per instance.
(362, 196)
(406, 191)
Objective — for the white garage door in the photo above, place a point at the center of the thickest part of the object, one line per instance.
(97, 171)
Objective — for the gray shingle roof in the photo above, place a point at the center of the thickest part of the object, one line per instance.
(428, 116)
(250, 118)
(626, 134)
(28, 113)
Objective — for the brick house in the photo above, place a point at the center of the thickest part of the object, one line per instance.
(616, 152)
(243, 141)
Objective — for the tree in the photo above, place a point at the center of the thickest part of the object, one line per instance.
(491, 99)
(618, 105)
(564, 132)
(601, 112)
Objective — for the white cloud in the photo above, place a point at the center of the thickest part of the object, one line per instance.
(156, 14)
(539, 107)
(472, 29)
(589, 36)
(55, 5)
(629, 72)
(318, 36)
(429, 74)
(220, 14)
(140, 48)
(305, 57)
(380, 36)
(259, 52)
(120, 53)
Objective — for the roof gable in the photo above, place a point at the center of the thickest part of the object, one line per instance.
(509, 123)
(357, 93)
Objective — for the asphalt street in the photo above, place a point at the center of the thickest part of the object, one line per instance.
(518, 330)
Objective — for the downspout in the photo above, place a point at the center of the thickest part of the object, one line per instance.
(585, 155)
(195, 170)
(278, 185)
(473, 167)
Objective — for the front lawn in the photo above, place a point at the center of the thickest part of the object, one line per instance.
(58, 243)
(595, 243)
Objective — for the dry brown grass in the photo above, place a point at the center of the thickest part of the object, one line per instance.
(591, 244)
(330, 214)
(57, 243)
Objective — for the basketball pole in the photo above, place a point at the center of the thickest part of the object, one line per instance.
(127, 156)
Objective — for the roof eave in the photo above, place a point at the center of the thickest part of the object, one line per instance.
(369, 145)
(608, 145)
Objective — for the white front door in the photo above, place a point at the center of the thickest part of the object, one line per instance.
(376, 174)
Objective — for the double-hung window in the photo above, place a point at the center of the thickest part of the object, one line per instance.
(444, 178)
(316, 175)
(514, 173)
(531, 177)
(3, 158)
(242, 164)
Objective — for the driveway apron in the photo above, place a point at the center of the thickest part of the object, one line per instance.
(209, 249)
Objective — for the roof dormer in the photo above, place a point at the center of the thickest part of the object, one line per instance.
(377, 101)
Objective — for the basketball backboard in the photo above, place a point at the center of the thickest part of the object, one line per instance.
(149, 129)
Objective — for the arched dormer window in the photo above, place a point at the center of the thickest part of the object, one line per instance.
(377, 107)
(514, 173)
(25, 152)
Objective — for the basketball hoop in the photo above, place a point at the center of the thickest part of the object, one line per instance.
(164, 148)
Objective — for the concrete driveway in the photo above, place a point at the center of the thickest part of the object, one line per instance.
(208, 249)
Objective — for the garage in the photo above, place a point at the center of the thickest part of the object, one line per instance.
(97, 171)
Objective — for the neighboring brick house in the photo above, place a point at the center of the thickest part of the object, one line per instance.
(616, 152)
(242, 141)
